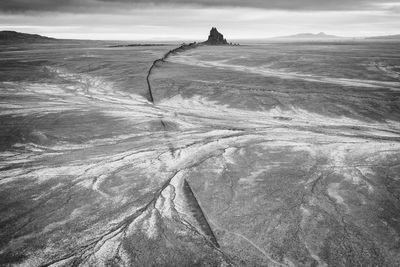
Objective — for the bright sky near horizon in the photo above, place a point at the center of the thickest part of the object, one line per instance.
(192, 19)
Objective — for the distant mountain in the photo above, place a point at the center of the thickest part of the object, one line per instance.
(12, 36)
(386, 37)
(320, 35)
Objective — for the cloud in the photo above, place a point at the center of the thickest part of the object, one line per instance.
(191, 20)
(190, 23)
(99, 6)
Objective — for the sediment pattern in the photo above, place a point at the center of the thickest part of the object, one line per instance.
(239, 174)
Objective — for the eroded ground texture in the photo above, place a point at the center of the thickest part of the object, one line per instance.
(259, 155)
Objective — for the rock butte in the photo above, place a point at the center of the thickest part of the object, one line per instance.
(216, 38)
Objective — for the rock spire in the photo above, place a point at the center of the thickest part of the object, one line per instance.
(216, 38)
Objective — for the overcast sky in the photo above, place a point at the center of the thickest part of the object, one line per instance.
(191, 20)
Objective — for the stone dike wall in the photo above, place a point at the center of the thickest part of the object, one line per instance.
(181, 48)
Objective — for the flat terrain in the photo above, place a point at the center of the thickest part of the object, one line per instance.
(279, 154)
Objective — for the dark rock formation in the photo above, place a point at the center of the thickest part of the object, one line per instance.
(215, 38)
(181, 48)
(12, 36)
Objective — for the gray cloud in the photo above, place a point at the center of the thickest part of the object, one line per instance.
(93, 6)
(38, 5)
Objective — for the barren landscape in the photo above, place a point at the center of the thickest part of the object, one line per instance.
(272, 154)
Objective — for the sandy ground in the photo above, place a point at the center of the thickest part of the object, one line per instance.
(96, 176)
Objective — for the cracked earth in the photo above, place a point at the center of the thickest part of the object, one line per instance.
(226, 164)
